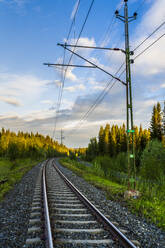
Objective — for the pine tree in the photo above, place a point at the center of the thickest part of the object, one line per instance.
(101, 141)
(92, 150)
(106, 138)
(163, 121)
(124, 139)
(156, 123)
(112, 142)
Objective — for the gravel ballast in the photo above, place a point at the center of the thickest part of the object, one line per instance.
(15, 210)
(16, 207)
(147, 234)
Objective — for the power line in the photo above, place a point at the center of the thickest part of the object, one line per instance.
(105, 35)
(99, 99)
(161, 25)
(149, 46)
(89, 10)
(62, 75)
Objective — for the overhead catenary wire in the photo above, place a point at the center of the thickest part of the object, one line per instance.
(149, 46)
(99, 99)
(62, 74)
(105, 91)
(102, 96)
(155, 30)
(63, 81)
(107, 88)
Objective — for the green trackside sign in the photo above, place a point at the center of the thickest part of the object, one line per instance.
(130, 131)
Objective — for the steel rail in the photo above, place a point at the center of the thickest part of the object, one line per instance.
(113, 230)
(48, 231)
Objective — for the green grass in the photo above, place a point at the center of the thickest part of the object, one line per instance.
(150, 205)
(112, 189)
(13, 172)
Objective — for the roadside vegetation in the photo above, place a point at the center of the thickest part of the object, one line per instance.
(12, 172)
(108, 169)
(20, 152)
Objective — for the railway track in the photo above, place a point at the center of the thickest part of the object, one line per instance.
(62, 217)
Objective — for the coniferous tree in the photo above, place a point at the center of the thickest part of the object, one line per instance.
(124, 139)
(112, 142)
(101, 141)
(156, 123)
(92, 150)
(106, 139)
(163, 121)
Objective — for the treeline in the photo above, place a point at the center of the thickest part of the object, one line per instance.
(25, 145)
(112, 139)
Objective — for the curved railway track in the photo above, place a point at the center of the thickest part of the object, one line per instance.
(62, 217)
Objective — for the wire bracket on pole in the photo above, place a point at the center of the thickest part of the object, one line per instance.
(96, 66)
(92, 47)
(84, 66)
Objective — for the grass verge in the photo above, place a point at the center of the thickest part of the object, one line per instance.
(152, 208)
(12, 172)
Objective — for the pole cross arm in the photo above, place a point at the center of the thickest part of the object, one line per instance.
(85, 66)
(92, 47)
(98, 67)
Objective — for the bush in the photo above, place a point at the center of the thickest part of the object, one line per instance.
(153, 161)
(120, 162)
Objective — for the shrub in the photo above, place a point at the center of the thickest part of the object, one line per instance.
(153, 161)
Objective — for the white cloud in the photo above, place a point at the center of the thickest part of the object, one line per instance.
(98, 87)
(162, 85)
(83, 41)
(70, 75)
(38, 115)
(47, 102)
(11, 101)
(153, 58)
(74, 10)
(75, 88)
(153, 17)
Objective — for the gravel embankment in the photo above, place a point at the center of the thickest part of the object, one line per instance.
(15, 210)
(137, 228)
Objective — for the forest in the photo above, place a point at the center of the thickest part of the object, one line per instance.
(25, 145)
(107, 166)
(19, 152)
(110, 148)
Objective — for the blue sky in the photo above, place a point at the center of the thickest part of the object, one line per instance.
(30, 30)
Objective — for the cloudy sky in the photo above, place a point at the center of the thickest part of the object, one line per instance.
(29, 91)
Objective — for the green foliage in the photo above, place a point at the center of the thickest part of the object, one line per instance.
(101, 140)
(156, 123)
(153, 161)
(13, 172)
(92, 150)
(23, 145)
(151, 204)
(114, 164)
(113, 141)
(90, 174)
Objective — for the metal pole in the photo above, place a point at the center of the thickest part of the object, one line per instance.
(130, 143)
(127, 84)
(129, 108)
